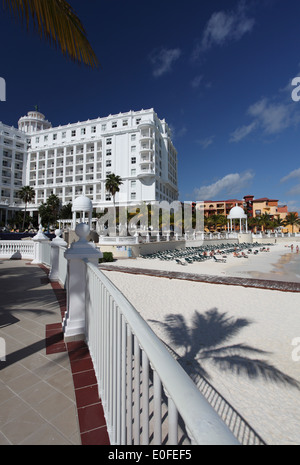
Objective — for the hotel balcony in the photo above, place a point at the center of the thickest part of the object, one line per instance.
(146, 169)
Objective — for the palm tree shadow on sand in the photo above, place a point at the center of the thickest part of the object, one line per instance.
(207, 340)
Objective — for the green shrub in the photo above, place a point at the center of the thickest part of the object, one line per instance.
(107, 257)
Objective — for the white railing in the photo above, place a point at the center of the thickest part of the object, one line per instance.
(22, 249)
(62, 266)
(147, 397)
(117, 240)
(46, 253)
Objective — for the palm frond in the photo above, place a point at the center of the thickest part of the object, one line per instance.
(230, 350)
(56, 21)
(254, 368)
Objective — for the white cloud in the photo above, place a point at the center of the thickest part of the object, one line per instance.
(163, 59)
(242, 132)
(273, 117)
(291, 175)
(224, 27)
(270, 116)
(206, 142)
(196, 81)
(230, 184)
(295, 174)
(293, 206)
(294, 190)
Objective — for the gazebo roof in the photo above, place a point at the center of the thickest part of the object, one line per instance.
(236, 213)
(82, 204)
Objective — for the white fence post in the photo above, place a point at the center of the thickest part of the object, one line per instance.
(38, 239)
(74, 320)
(55, 245)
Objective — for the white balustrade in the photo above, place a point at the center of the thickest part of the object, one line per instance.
(17, 249)
(144, 390)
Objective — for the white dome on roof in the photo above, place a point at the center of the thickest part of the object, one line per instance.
(236, 213)
(82, 204)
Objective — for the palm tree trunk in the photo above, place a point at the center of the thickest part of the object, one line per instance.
(23, 226)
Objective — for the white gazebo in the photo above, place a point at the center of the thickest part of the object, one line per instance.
(237, 213)
(84, 206)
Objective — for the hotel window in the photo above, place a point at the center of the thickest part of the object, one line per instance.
(93, 129)
(108, 152)
(133, 183)
(103, 127)
(133, 195)
(73, 133)
(37, 139)
(107, 197)
(108, 163)
(133, 148)
(257, 212)
(108, 141)
(133, 136)
(133, 160)
(54, 136)
(83, 131)
(138, 120)
(45, 138)
(63, 135)
(114, 124)
(125, 122)
(133, 172)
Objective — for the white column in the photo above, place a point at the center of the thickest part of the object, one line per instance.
(55, 245)
(38, 239)
(74, 320)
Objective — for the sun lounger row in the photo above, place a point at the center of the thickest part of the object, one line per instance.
(205, 252)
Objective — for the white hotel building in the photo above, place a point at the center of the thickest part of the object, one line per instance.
(75, 159)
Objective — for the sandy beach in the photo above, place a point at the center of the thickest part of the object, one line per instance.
(238, 339)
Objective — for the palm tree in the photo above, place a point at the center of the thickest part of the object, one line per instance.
(292, 219)
(265, 221)
(26, 194)
(58, 24)
(254, 222)
(112, 185)
(49, 211)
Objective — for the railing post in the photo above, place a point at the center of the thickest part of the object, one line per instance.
(55, 245)
(74, 320)
(38, 239)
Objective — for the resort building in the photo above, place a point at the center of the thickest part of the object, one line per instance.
(220, 207)
(13, 159)
(75, 159)
(252, 207)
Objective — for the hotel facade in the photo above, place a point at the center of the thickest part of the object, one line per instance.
(75, 159)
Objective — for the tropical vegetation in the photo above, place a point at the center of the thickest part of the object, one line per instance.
(49, 210)
(26, 194)
(292, 219)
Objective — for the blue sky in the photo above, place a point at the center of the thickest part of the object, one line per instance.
(219, 72)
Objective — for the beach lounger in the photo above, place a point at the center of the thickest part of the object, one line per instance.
(220, 260)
